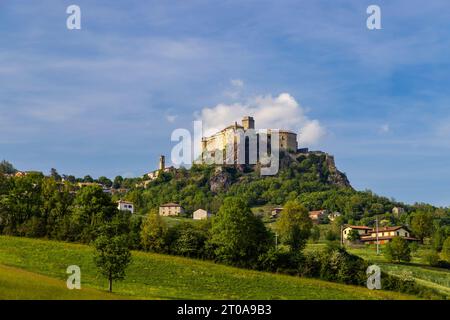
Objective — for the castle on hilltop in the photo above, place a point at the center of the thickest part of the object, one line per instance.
(226, 143)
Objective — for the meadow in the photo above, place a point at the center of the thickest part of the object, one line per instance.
(24, 285)
(432, 277)
(152, 276)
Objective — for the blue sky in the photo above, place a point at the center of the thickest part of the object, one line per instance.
(105, 99)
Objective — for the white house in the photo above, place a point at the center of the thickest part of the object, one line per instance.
(125, 206)
(332, 216)
(276, 211)
(201, 214)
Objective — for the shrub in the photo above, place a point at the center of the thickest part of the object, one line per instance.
(432, 258)
(397, 250)
(281, 261)
(446, 250)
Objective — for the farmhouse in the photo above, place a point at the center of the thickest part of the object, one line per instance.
(170, 209)
(125, 206)
(201, 214)
(317, 215)
(385, 234)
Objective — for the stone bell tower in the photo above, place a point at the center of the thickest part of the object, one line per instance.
(248, 123)
(162, 162)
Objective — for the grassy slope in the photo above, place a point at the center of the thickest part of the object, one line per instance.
(154, 276)
(20, 284)
(436, 278)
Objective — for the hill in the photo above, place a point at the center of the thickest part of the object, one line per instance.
(154, 276)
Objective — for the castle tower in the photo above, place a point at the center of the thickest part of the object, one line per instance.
(162, 162)
(248, 123)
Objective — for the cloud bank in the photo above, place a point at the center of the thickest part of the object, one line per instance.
(280, 112)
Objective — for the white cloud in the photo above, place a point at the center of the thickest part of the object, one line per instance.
(385, 128)
(237, 83)
(171, 118)
(280, 112)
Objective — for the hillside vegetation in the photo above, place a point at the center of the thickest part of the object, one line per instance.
(155, 276)
(312, 179)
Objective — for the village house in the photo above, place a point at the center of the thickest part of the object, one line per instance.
(332, 216)
(317, 215)
(201, 214)
(20, 174)
(397, 211)
(276, 211)
(362, 231)
(385, 234)
(170, 209)
(125, 206)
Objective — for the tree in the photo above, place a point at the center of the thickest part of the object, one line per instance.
(153, 234)
(92, 207)
(54, 174)
(190, 240)
(7, 168)
(315, 233)
(117, 182)
(431, 257)
(112, 250)
(238, 237)
(105, 181)
(422, 224)
(88, 178)
(446, 250)
(294, 225)
(397, 250)
(439, 236)
(353, 235)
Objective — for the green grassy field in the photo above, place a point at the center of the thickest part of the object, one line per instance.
(154, 276)
(435, 278)
(20, 284)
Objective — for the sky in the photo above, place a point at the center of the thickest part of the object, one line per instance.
(104, 100)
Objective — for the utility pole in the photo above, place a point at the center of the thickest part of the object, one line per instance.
(378, 242)
(342, 239)
(276, 241)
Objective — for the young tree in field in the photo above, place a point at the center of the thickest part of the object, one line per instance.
(112, 250)
(238, 237)
(294, 225)
(397, 250)
(153, 234)
(446, 250)
(422, 224)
